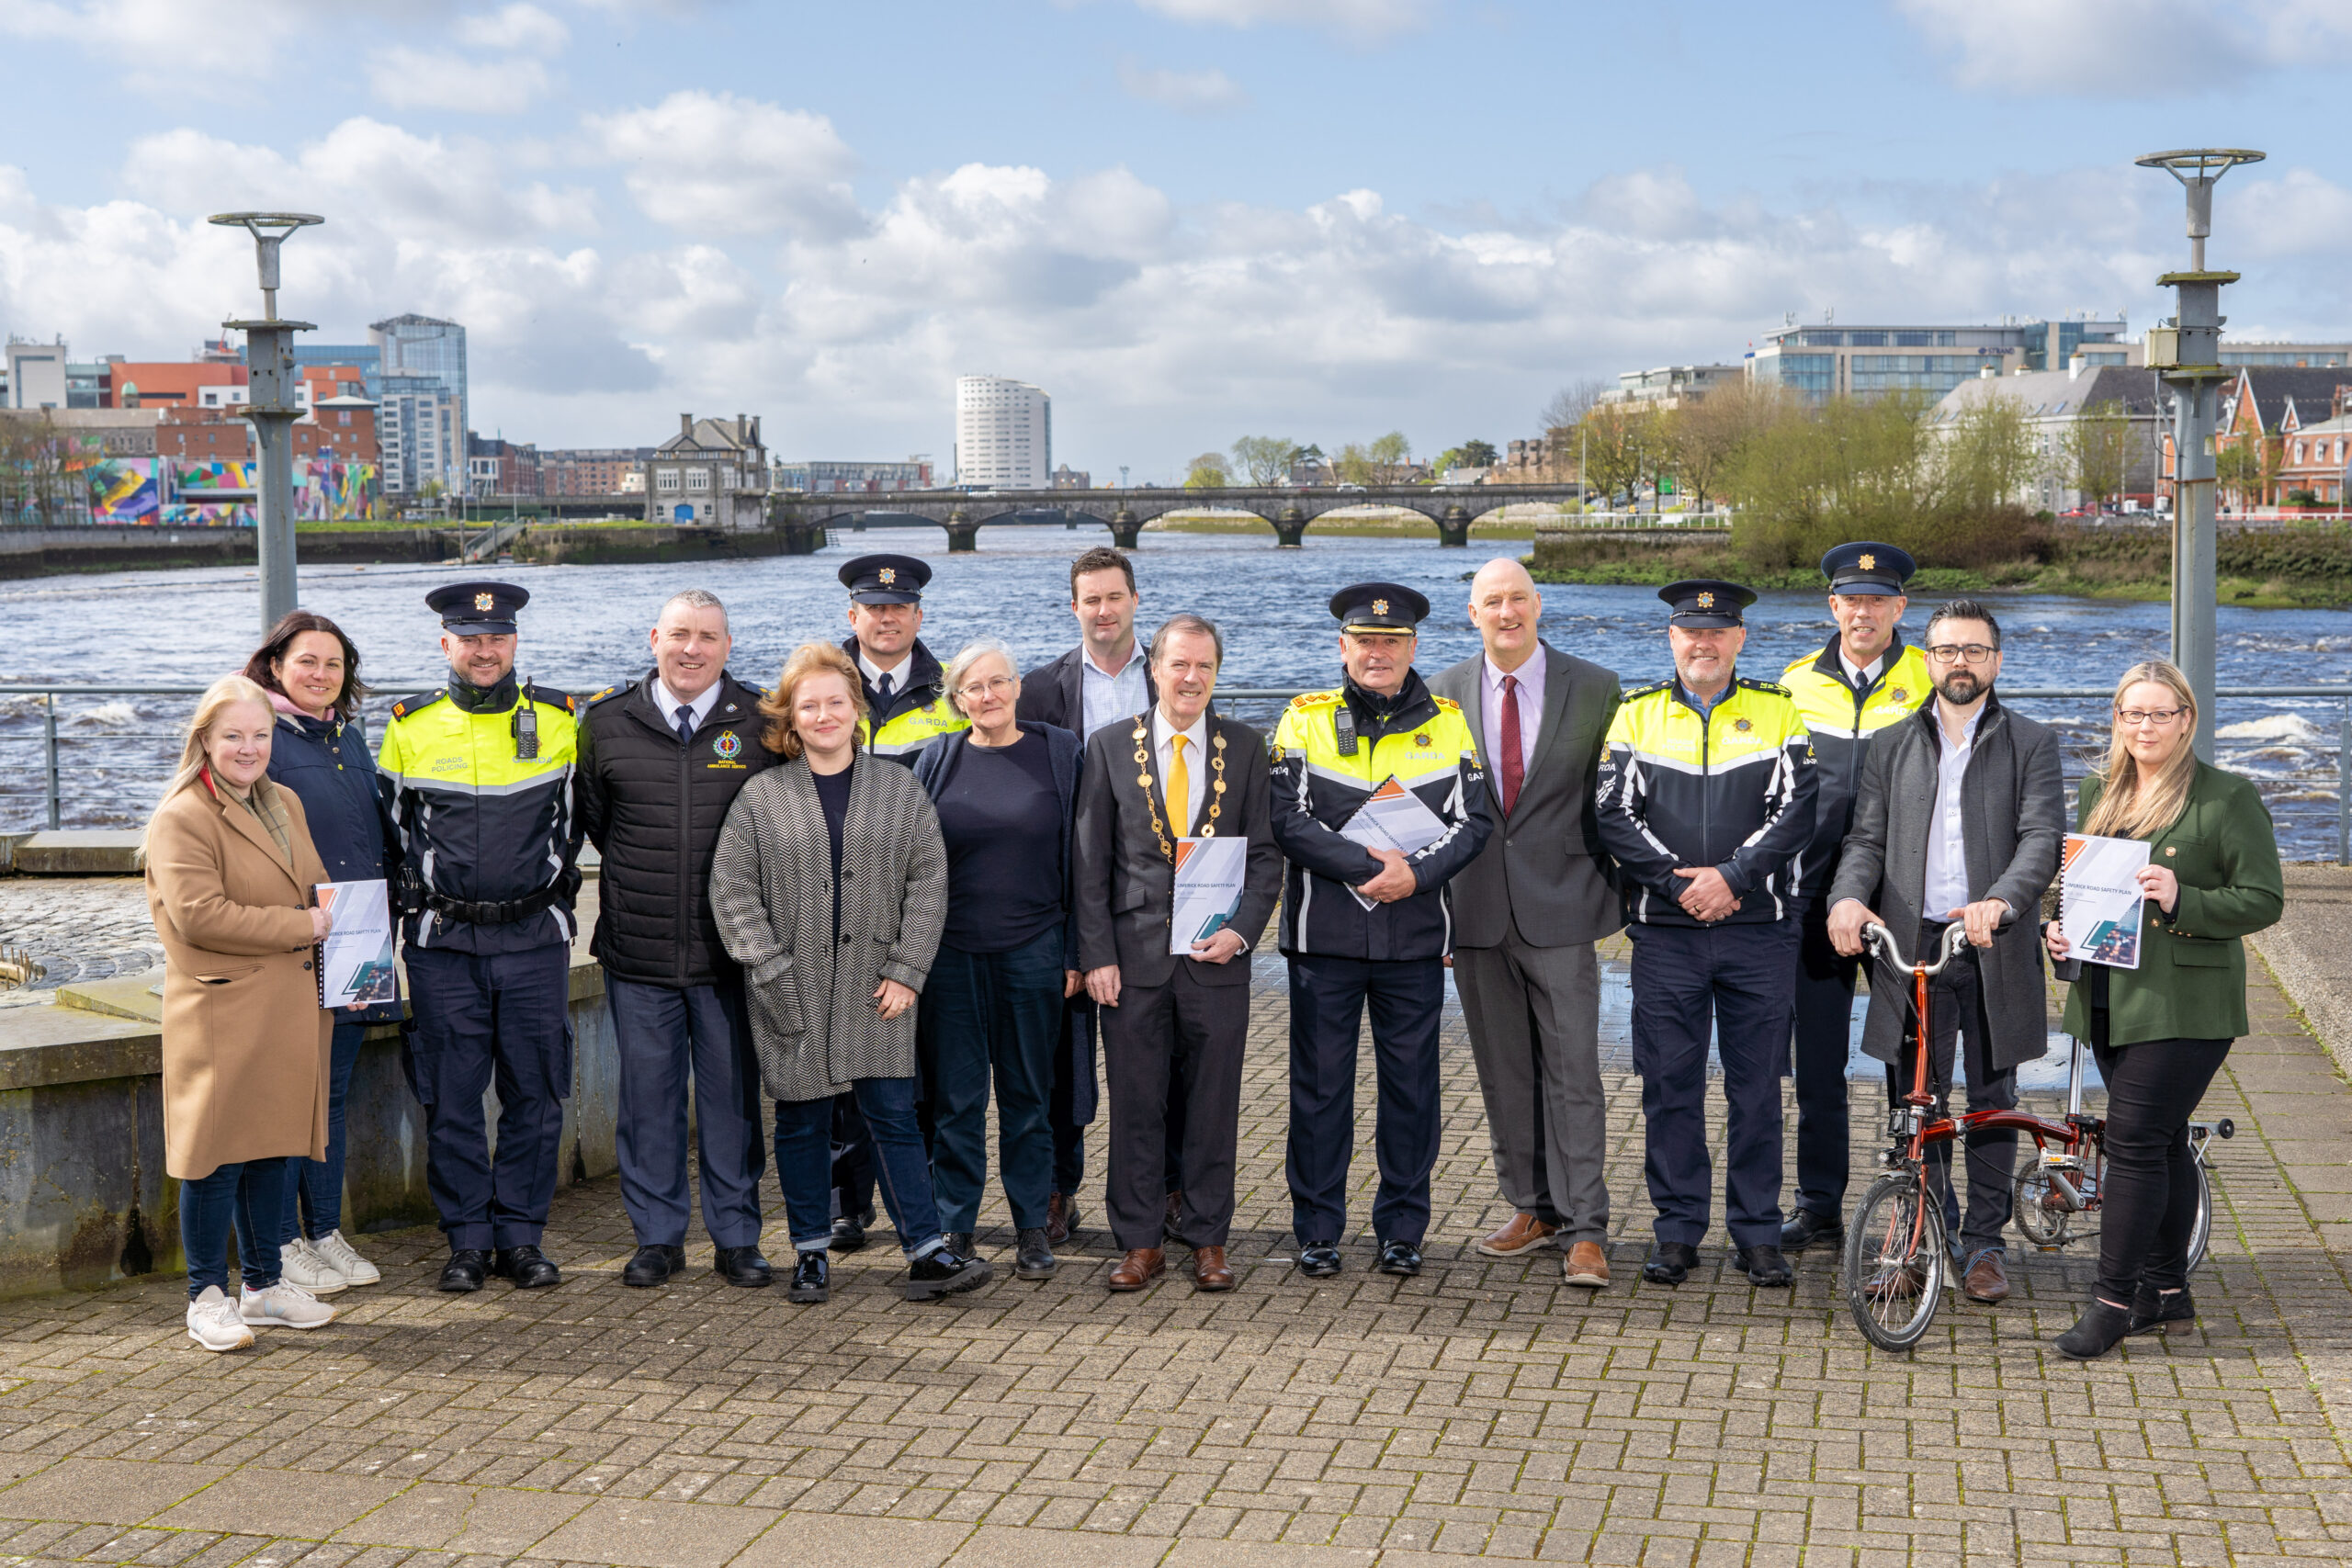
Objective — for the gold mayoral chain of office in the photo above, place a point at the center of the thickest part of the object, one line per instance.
(1143, 782)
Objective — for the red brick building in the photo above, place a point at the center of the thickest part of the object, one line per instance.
(203, 435)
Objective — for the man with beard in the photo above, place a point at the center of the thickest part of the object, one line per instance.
(1960, 817)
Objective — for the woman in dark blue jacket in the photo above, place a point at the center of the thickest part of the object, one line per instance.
(1006, 793)
(311, 673)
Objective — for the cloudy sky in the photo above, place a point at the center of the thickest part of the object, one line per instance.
(1187, 219)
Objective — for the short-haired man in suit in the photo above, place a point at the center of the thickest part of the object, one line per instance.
(1527, 913)
(1103, 679)
(1174, 1027)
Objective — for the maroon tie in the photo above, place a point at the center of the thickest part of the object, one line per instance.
(1514, 766)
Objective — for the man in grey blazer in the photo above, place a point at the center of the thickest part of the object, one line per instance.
(1959, 817)
(1527, 913)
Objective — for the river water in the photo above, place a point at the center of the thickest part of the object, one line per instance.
(586, 627)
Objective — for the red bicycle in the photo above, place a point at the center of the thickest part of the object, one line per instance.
(1897, 1263)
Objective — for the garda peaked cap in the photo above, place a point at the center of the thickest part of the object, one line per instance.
(1379, 607)
(1700, 602)
(1867, 568)
(478, 609)
(885, 579)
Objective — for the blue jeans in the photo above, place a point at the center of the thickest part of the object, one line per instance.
(803, 1157)
(252, 1198)
(984, 1010)
(660, 1032)
(314, 1187)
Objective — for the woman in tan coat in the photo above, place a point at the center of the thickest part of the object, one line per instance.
(230, 869)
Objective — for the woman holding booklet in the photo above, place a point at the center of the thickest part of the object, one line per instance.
(230, 869)
(2161, 1030)
(320, 754)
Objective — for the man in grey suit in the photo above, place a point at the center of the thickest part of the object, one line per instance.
(1959, 817)
(1528, 912)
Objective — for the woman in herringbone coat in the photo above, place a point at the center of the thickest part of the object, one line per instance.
(830, 884)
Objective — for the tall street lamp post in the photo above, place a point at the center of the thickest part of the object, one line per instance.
(2187, 352)
(273, 406)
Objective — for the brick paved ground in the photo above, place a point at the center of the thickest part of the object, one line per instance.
(1482, 1408)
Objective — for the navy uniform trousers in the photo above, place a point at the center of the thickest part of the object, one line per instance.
(1740, 980)
(663, 1034)
(1327, 999)
(483, 1020)
(1825, 1042)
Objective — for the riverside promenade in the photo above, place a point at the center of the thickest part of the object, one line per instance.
(1481, 1409)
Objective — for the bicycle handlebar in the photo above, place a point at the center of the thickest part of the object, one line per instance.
(1877, 936)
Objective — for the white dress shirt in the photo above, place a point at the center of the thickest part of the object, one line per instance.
(1946, 888)
(874, 672)
(1859, 675)
(669, 702)
(1197, 766)
(1105, 698)
(1530, 694)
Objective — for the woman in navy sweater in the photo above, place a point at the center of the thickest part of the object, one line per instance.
(311, 673)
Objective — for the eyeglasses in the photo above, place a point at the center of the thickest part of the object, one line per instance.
(2132, 719)
(1953, 652)
(988, 688)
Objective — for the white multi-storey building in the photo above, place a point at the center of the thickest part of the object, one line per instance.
(1004, 434)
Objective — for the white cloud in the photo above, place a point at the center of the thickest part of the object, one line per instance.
(1368, 21)
(517, 27)
(2129, 48)
(409, 78)
(718, 164)
(189, 43)
(1191, 91)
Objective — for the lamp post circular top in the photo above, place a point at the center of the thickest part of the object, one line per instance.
(281, 220)
(2202, 162)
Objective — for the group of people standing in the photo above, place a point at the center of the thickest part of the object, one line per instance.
(839, 915)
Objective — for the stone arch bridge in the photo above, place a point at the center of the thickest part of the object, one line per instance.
(803, 519)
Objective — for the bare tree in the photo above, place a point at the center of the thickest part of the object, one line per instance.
(2094, 453)
(1568, 406)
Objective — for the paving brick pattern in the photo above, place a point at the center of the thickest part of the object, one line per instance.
(1483, 1408)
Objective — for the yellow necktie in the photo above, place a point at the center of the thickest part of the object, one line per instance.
(1179, 786)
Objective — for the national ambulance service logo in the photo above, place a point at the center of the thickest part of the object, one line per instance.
(890, 575)
(483, 601)
(727, 745)
(1867, 562)
(1706, 601)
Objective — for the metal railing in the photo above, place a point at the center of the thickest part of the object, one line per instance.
(58, 761)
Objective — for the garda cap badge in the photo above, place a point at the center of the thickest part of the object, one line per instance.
(1706, 601)
(727, 745)
(1867, 562)
(483, 601)
(889, 576)
(1380, 606)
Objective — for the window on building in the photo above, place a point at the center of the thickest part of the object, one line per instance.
(697, 479)
(666, 478)
(1867, 340)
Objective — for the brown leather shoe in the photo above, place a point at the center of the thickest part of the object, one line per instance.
(1209, 1271)
(1522, 1236)
(1586, 1265)
(1061, 1218)
(1139, 1268)
(1987, 1281)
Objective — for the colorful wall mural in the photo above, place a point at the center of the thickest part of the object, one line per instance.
(123, 490)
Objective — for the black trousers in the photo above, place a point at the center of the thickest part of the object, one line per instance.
(2152, 1088)
(1956, 1008)
(1824, 1042)
(1172, 1054)
(1329, 999)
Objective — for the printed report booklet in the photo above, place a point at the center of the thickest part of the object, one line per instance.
(355, 961)
(2099, 901)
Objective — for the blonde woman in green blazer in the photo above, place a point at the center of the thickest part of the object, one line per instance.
(2160, 1031)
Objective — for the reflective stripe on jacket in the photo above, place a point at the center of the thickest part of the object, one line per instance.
(1843, 720)
(1426, 744)
(1732, 788)
(477, 823)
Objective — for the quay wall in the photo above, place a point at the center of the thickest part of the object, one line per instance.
(82, 1178)
(45, 552)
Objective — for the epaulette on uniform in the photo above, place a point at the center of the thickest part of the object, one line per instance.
(555, 699)
(407, 705)
(1315, 699)
(1445, 703)
(608, 693)
(1772, 686)
(1632, 692)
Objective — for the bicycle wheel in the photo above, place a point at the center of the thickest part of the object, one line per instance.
(1895, 1263)
(2032, 1196)
(2203, 1230)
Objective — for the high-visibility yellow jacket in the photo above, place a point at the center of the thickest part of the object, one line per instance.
(481, 826)
(917, 714)
(1732, 788)
(1425, 743)
(1842, 720)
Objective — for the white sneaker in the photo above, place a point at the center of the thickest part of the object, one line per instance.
(341, 1255)
(213, 1322)
(299, 1263)
(284, 1305)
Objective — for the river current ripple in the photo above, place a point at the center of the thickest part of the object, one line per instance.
(586, 627)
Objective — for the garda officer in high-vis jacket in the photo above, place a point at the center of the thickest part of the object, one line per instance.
(1866, 679)
(482, 778)
(1706, 800)
(906, 710)
(1365, 918)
